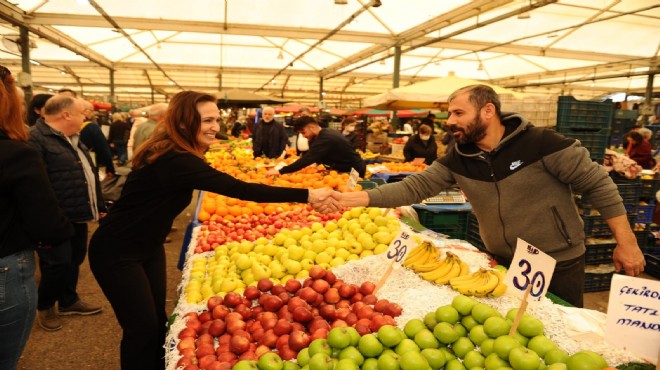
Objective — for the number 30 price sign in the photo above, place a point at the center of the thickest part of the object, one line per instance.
(532, 267)
(396, 254)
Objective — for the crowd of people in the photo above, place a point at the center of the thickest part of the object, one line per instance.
(51, 191)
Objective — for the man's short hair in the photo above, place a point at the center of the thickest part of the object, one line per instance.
(302, 122)
(57, 104)
(479, 96)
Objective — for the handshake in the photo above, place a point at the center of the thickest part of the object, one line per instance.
(326, 200)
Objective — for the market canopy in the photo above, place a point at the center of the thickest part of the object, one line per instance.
(244, 99)
(432, 94)
(338, 52)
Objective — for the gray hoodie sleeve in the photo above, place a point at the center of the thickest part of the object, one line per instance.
(412, 189)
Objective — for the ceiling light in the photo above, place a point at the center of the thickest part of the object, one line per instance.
(273, 82)
(480, 67)
(341, 2)
(280, 55)
(62, 72)
(171, 82)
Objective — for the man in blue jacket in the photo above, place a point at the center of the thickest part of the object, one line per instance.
(76, 184)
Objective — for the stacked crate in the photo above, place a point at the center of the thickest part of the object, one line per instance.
(624, 121)
(539, 110)
(599, 241)
(587, 121)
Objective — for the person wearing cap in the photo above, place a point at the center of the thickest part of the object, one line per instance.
(326, 146)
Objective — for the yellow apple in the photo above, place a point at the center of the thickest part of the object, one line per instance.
(323, 257)
(295, 252)
(292, 267)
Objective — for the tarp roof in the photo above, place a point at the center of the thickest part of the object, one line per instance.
(301, 49)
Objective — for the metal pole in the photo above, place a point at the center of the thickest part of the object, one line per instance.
(395, 82)
(648, 106)
(113, 101)
(320, 90)
(25, 63)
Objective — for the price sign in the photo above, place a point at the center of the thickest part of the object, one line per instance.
(530, 267)
(400, 247)
(353, 178)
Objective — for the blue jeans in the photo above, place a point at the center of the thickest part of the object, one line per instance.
(121, 150)
(18, 305)
(59, 267)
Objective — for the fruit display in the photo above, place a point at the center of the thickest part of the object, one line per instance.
(396, 167)
(368, 154)
(283, 318)
(290, 253)
(424, 260)
(483, 282)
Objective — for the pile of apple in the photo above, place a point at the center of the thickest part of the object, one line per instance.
(463, 335)
(282, 318)
(359, 233)
(218, 231)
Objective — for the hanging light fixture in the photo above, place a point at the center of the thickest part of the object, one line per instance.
(280, 55)
(480, 67)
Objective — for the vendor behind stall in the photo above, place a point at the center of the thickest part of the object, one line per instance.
(326, 146)
(421, 145)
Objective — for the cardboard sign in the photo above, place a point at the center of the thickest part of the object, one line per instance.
(400, 246)
(633, 316)
(530, 266)
(353, 179)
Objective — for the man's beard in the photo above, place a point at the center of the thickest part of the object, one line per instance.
(474, 132)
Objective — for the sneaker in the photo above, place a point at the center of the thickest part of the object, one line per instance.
(48, 319)
(79, 308)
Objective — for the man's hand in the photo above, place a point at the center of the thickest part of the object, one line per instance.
(629, 258)
(272, 172)
(325, 200)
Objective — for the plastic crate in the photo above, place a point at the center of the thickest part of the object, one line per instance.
(643, 235)
(626, 114)
(599, 253)
(645, 214)
(597, 226)
(453, 224)
(366, 184)
(597, 282)
(629, 190)
(573, 113)
(652, 265)
(594, 141)
(616, 139)
(649, 188)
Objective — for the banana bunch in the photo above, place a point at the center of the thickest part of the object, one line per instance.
(442, 271)
(481, 283)
(425, 252)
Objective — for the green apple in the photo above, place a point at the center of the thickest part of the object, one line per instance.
(503, 346)
(496, 326)
(460, 329)
(370, 346)
(369, 363)
(320, 361)
(445, 333)
(391, 336)
(413, 326)
(447, 313)
(521, 338)
(463, 304)
(494, 362)
(346, 364)
(388, 361)
(530, 326)
(541, 345)
(449, 355)
(425, 339)
(482, 311)
(303, 357)
(454, 365)
(319, 345)
(522, 358)
(355, 336)
(406, 345)
(246, 365)
(487, 346)
(468, 322)
(430, 321)
(555, 356)
(435, 357)
(600, 361)
(339, 338)
(412, 360)
(353, 354)
(270, 361)
(290, 365)
(473, 359)
(478, 334)
(462, 346)
(557, 366)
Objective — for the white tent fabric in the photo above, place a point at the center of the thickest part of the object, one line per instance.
(307, 51)
(430, 94)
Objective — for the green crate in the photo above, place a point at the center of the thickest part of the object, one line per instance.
(594, 141)
(597, 282)
(599, 253)
(626, 114)
(366, 184)
(452, 224)
(573, 113)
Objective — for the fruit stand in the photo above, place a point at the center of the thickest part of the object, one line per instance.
(274, 287)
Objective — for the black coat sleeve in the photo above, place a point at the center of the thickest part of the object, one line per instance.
(190, 172)
(317, 151)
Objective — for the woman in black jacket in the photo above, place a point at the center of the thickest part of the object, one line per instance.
(126, 252)
(421, 145)
(348, 130)
(29, 215)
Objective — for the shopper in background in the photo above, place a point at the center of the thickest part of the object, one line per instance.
(302, 144)
(67, 92)
(146, 129)
(127, 257)
(519, 180)
(75, 180)
(326, 146)
(640, 150)
(118, 137)
(348, 130)
(35, 109)
(269, 137)
(421, 145)
(29, 217)
(92, 136)
(137, 120)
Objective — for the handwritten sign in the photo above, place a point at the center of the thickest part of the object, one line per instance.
(399, 248)
(530, 266)
(633, 316)
(353, 178)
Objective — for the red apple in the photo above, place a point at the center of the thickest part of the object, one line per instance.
(187, 332)
(220, 312)
(187, 342)
(362, 329)
(277, 289)
(318, 333)
(381, 304)
(367, 288)
(205, 349)
(272, 303)
(269, 339)
(214, 301)
(264, 284)
(226, 356)
(244, 311)
(292, 286)
(365, 312)
(232, 326)
(351, 319)
(347, 290)
(194, 324)
(206, 361)
(331, 296)
(239, 344)
(233, 299)
(296, 302)
(393, 310)
(357, 297)
(248, 356)
(328, 312)
(330, 277)
(285, 297)
(298, 340)
(287, 353)
(282, 326)
(302, 314)
(317, 272)
(369, 299)
(251, 292)
(308, 295)
(339, 323)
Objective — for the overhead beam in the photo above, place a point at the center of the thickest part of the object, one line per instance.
(15, 16)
